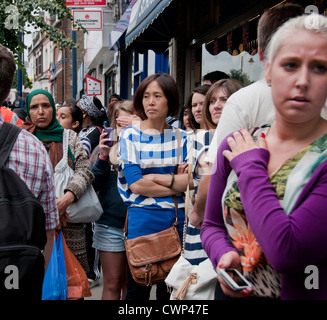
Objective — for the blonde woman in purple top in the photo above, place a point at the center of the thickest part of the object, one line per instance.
(266, 205)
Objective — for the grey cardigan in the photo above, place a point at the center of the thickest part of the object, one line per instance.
(83, 177)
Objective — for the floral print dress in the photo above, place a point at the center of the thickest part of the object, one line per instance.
(288, 181)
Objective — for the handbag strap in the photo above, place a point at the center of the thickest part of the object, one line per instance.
(187, 196)
(63, 163)
(178, 136)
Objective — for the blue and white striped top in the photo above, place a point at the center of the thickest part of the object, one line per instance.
(194, 251)
(141, 153)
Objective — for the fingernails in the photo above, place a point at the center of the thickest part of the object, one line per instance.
(245, 293)
(262, 135)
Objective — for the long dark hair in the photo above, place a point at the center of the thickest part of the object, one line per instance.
(202, 90)
(77, 115)
(99, 120)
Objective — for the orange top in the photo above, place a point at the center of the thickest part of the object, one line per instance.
(10, 116)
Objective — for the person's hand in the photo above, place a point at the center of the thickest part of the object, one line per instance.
(231, 260)
(62, 205)
(103, 148)
(182, 168)
(126, 121)
(242, 142)
(195, 219)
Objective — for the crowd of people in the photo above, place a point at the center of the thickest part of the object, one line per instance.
(256, 154)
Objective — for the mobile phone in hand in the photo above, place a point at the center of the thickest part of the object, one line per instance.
(235, 280)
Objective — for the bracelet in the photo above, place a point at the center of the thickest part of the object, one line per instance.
(172, 180)
(103, 158)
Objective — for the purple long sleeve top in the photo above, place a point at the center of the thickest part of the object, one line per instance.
(290, 242)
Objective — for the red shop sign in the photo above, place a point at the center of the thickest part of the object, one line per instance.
(86, 3)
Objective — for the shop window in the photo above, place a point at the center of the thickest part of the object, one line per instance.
(140, 68)
(109, 87)
(162, 62)
(235, 53)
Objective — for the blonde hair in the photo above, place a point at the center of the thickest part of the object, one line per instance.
(314, 23)
(126, 105)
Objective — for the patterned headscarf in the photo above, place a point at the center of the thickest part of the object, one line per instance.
(88, 105)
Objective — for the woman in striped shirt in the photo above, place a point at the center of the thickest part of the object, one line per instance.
(148, 158)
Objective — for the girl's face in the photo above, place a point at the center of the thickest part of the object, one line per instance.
(154, 102)
(217, 103)
(298, 77)
(197, 103)
(65, 118)
(41, 111)
(186, 119)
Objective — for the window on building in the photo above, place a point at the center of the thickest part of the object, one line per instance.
(39, 65)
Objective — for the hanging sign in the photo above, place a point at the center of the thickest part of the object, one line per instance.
(93, 86)
(90, 20)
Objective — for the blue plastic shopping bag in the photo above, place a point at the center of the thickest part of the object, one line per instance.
(55, 281)
(62, 278)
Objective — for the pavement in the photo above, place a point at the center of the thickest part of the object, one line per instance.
(97, 291)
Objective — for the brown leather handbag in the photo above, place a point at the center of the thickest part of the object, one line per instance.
(151, 257)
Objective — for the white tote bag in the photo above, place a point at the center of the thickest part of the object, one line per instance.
(88, 208)
(197, 282)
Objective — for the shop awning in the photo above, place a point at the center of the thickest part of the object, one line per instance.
(116, 38)
(151, 26)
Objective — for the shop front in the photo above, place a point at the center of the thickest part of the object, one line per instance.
(148, 39)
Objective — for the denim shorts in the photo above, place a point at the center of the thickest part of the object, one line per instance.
(109, 239)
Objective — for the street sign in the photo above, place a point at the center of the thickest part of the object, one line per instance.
(86, 3)
(93, 86)
(90, 20)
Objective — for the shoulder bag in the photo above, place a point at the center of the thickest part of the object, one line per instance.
(88, 208)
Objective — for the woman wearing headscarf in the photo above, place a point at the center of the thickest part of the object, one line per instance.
(94, 114)
(42, 122)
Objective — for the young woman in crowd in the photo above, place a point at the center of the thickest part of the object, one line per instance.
(194, 104)
(147, 161)
(94, 115)
(265, 210)
(212, 105)
(71, 117)
(215, 101)
(108, 236)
